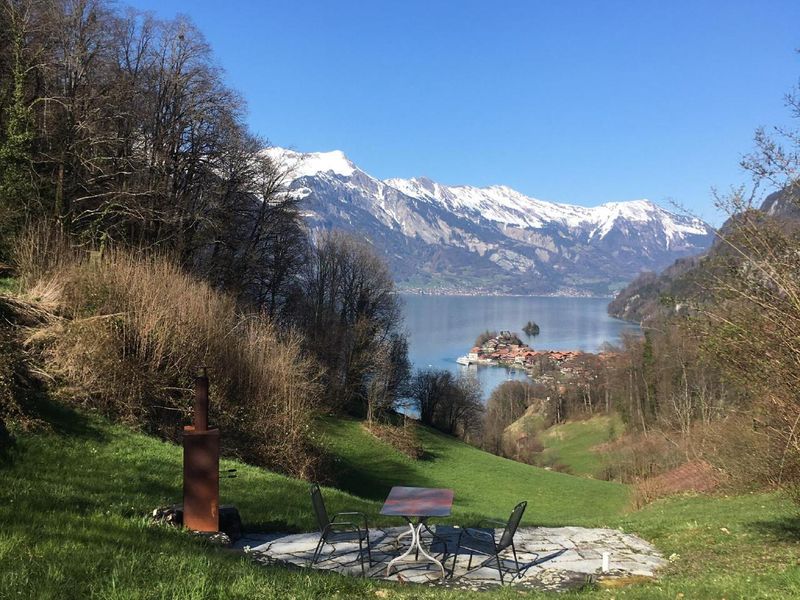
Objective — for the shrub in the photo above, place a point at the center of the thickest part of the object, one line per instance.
(741, 449)
(401, 437)
(134, 331)
(695, 476)
(637, 456)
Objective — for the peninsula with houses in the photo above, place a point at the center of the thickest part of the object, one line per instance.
(506, 349)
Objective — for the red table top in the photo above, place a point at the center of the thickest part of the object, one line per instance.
(418, 502)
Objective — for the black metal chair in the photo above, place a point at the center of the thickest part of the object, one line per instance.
(480, 541)
(332, 530)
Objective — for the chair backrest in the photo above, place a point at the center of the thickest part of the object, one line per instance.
(319, 507)
(511, 526)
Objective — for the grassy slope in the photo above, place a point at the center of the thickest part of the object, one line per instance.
(570, 444)
(484, 484)
(72, 522)
(72, 525)
(723, 547)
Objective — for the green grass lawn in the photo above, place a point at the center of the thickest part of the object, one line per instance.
(570, 444)
(484, 484)
(74, 500)
(745, 546)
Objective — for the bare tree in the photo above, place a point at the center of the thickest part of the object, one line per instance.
(350, 310)
(507, 403)
(121, 128)
(449, 403)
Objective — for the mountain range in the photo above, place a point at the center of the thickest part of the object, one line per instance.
(466, 239)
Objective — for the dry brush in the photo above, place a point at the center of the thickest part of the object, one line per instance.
(132, 334)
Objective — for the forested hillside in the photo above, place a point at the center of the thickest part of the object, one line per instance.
(136, 204)
(690, 279)
(716, 370)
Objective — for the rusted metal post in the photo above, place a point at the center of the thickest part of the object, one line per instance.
(201, 400)
(201, 465)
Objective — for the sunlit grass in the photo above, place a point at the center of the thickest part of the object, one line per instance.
(74, 500)
(484, 484)
(571, 444)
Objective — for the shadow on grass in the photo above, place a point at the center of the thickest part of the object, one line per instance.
(44, 415)
(64, 420)
(784, 529)
(275, 525)
(375, 482)
(429, 456)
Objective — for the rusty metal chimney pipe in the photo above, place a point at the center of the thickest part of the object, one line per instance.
(201, 464)
(201, 400)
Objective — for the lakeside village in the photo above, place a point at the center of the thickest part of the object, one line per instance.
(507, 350)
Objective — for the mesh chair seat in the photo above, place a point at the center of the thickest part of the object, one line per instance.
(483, 541)
(348, 529)
(471, 541)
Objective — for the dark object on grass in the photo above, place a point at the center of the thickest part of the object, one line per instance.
(230, 522)
(332, 531)
(482, 541)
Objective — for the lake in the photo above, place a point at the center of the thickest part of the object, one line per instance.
(442, 328)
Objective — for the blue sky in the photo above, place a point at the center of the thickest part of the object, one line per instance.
(580, 102)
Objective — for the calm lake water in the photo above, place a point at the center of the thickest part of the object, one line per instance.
(442, 328)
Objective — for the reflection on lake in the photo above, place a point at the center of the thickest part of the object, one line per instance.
(442, 328)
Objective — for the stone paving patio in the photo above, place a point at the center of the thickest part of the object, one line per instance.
(552, 558)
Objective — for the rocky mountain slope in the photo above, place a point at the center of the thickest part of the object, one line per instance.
(492, 239)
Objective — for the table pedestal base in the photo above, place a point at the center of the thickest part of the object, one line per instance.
(415, 531)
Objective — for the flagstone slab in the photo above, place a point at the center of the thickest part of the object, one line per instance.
(550, 558)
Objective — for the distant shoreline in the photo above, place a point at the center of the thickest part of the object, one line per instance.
(488, 294)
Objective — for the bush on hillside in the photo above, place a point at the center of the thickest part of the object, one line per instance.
(400, 437)
(636, 456)
(134, 331)
(19, 386)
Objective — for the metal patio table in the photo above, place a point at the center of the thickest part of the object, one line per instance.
(420, 504)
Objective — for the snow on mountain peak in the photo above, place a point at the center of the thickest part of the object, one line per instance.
(434, 233)
(302, 164)
(500, 204)
(507, 206)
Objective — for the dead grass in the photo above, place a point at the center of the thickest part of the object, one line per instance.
(695, 476)
(401, 437)
(636, 456)
(133, 332)
(724, 454)
(20, 379)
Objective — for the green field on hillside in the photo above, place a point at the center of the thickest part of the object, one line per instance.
(74, 502)
(567, 447)
(571, 444)
(484, 484)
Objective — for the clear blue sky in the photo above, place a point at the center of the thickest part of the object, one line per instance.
(580, 102)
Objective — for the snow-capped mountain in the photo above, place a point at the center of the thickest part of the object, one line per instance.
(463, 238)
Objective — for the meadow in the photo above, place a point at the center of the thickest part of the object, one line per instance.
(76, 494)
